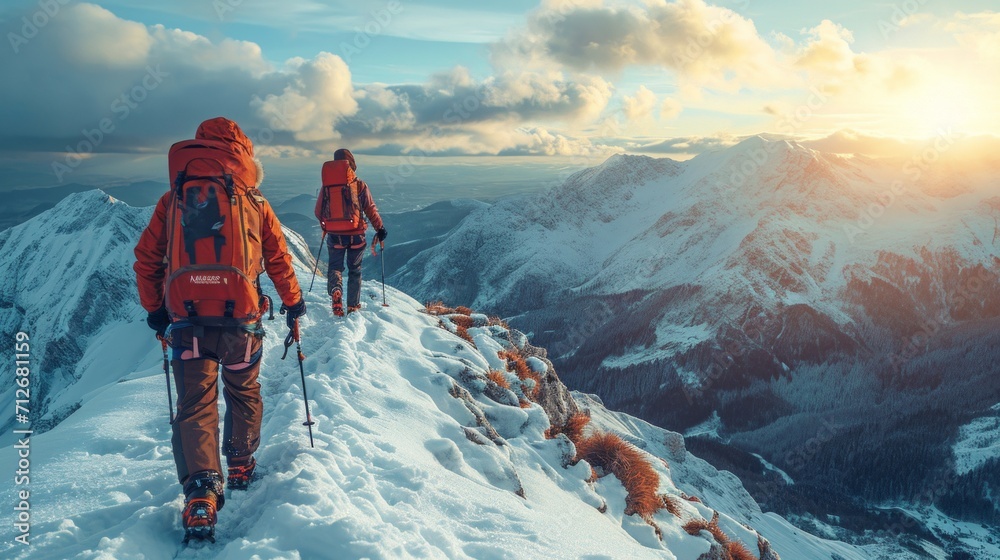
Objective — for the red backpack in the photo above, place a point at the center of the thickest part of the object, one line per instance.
(337, 206)
(214, 247)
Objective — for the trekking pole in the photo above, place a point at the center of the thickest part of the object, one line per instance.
(293, 336)
(382, 258)
(166, 371)
(316, 267)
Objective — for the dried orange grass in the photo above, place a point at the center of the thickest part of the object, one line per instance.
(462, 321)
(463, 333)
(438, 308)
(736, 549)
(573, 428)
(497, 321)
(498, 377)
(739, 551)
(523, 370)
(627, 463)
(673, 505)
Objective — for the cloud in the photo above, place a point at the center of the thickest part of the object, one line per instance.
(670, 109)
(453, 111)
(91, 35)
(539, 141)
(855, 142)
(828, 50)
(979, 32)
(148, 85)
(830, 62)
(686, 145)
(302, 107)
(319, 94)
(640, 105)
(706, 45)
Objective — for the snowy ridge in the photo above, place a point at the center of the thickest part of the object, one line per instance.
(67, 276)
(400, 467)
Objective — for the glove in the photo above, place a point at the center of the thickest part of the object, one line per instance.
(294, 312)
(159, 320)
(381, 234)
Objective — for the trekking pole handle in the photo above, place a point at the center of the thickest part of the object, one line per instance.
(293, 333)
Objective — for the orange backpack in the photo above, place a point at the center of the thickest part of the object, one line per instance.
(337, 206)
(214, 252)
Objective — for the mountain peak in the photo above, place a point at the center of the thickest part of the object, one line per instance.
(625, 168)
(635, 161)
(770, 143)
(93, 197)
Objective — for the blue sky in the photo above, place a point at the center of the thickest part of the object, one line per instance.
(444, 78)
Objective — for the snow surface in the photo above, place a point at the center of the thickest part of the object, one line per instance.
(395, 471)
(771, 467)
(978, 442)
(979, 541)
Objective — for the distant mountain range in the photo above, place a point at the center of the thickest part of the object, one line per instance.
(759, 295)
(23, 204)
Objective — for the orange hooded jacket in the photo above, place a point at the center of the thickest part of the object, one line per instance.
(151, 251)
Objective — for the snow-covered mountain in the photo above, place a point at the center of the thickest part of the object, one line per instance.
(417, 454)
(66, 282)
(775, 289)
(767, 233)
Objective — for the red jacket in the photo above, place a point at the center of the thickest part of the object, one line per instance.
(368, 206)
(150, 254)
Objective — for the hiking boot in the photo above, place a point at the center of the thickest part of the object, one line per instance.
(204, 497)
(338, 302)
(240, 475)
(200, 517)
(354, 308)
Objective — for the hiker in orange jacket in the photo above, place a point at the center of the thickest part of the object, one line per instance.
(350, 243)
(203, 338)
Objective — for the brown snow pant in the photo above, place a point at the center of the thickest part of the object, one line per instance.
(196, 375)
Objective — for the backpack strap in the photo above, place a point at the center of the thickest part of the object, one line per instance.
(325, 212)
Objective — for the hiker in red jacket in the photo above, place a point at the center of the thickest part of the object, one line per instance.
(197, 267)
(343, 203)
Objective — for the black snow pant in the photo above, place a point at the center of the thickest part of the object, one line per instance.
(353, 248)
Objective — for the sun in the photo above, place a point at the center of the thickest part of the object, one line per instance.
(942, 106)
